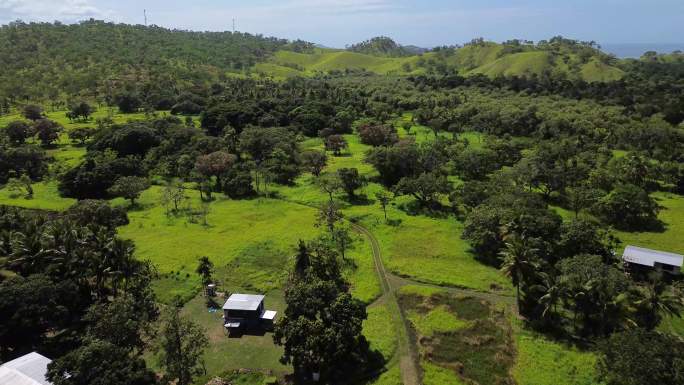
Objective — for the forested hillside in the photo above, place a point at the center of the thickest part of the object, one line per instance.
(54, 63)
(45, 61)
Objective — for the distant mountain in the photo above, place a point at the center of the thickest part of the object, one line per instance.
(383, 46)
(415, 50)
(636, 50)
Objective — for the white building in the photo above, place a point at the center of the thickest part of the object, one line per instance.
(247, 311)
(25, 370)
(668, 262)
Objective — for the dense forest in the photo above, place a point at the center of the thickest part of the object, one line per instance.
(43, 61)
(538, 177)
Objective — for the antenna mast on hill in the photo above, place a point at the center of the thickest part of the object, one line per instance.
(233, 25)
(145, 14)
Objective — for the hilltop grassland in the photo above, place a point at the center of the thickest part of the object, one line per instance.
(489, 59)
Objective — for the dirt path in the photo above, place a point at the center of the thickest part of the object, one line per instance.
(408, 357)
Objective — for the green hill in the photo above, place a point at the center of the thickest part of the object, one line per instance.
(290, 63)
(490, 59)
(43, 61)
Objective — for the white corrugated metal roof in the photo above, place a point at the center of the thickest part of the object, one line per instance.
(649, 257)
(243, 302)
(25, 370)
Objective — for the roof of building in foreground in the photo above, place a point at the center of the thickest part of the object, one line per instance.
(243, 302)
(648, 257)
(25, 370)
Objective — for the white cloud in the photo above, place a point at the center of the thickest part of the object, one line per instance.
(49, 10)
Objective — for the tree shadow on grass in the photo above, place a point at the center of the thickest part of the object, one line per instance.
(649, 226)
(434, 210)
(138, 207)
(360, 200)
(247, 331)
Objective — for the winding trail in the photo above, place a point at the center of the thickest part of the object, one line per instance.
(408, 357)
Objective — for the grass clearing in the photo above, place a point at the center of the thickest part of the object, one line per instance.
(45, 197)
(541, 361)
(672, 216)
(460, 339)
(379, 330)
(390, 377)
(249, 241)
(232, 353)
(236, 230)
(437, 320)
(428, 249)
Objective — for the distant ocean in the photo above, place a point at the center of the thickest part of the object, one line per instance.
(636, 50)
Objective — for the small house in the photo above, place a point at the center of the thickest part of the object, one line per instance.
(246, 311)
(654, 259)
(29, 369)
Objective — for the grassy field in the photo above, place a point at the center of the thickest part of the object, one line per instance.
(672, 217)
(45, 197)
(544, 362)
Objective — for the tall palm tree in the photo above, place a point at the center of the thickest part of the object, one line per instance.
(658, 299)
(519, 261)
(553, 293)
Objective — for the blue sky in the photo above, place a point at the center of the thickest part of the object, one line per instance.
(424, 23)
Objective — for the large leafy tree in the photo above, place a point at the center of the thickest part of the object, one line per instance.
(215, 164)
(100, 363)
(29, 308)
(180, 346)
(638, 357)
(351, 180)
(628, 207)
(18, 131)
(425, 187)
(47, 131)
(314, 161)
(321, 329)
(378, 134)
(124, 322)
(129, 187)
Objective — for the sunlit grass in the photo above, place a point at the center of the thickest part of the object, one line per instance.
(45, 197)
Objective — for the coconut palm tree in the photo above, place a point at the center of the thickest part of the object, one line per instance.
(553, 293)
(519, 261)
(658, 299)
